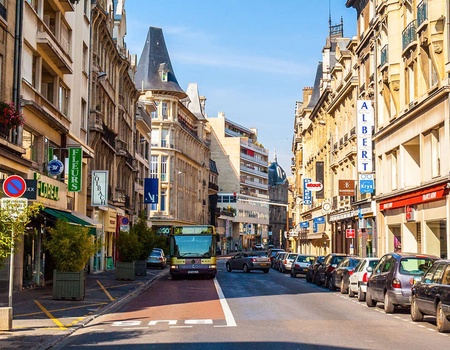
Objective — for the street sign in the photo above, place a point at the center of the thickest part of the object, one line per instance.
(14, 206)
(14, 186)
(349, 233)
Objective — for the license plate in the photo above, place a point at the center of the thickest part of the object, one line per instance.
(194, 271)
(263, 264)
(306, 270)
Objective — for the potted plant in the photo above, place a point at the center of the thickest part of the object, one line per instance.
(130, 249)
(10, 117)
(145, 237)
(70, 246)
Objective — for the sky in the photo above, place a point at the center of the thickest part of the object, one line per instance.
(251, 59)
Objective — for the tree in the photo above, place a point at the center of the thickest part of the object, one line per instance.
(13, 220)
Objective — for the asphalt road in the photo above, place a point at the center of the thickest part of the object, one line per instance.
(256, 311)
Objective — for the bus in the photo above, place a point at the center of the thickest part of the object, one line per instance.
(193, 250)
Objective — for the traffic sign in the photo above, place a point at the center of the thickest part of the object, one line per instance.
(350, 233)
(14, 186)
(14, 206)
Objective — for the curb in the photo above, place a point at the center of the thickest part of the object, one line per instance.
(55, 340)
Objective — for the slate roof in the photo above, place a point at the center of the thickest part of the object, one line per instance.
(277, 175)
(194, 104)
(316, 89)
(155, 58)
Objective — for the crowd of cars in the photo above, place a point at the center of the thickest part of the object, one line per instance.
(420, 282)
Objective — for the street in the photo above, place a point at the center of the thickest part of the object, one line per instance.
(256, 311)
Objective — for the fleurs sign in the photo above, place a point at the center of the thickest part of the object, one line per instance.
(99, 188)
(74, 173)
(9, 116)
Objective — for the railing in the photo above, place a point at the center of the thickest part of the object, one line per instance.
(109, 136)
(422, 12)
(384, 55)
(409, 34)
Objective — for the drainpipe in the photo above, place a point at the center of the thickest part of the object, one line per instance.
(17, 53)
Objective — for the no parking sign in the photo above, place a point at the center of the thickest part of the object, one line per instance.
(14, 186)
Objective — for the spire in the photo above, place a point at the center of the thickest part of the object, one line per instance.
(154, 70)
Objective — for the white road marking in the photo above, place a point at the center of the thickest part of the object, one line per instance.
(198, 322)
(170, 322)
(126, 323)
(226, 309)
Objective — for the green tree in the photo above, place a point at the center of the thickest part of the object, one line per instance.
(71, 246)
(129, 246)
(147, 237)
(13, 221)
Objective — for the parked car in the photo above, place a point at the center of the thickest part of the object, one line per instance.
(301, 264)
(430, 295)
(248, 261)
(272, 252)
(276, 260)
(393, 277)
(358, 280)
(157, 258)
(259, 246)
(323, 274)
(286, 262)
(340, 275)
(312, 269)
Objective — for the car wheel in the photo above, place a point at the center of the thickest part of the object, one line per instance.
(369, 301)
(342, 286)
(308, 279)
(330, 284)
(416, 315)
(293, 274)
(266, 270)
(388, 306)
(351, 293)
(361, 295)
(246, 268)
(228, 266)
(443, 324)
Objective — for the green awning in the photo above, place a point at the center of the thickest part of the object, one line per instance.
(66, 216)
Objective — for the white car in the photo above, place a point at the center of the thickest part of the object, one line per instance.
(358, 280)
(259, 246)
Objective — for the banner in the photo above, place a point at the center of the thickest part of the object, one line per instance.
(99, 188)
(75, 169)
(151, 191)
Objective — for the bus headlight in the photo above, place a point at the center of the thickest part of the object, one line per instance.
(173, 267)
(212, 266)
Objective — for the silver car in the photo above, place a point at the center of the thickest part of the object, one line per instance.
(358, 280)
(285, 263)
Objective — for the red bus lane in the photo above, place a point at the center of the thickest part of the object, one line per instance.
(173, 303)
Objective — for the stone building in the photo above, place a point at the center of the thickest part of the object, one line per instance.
(279, 225)
(180, 141)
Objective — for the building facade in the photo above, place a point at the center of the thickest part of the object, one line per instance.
(243, 195)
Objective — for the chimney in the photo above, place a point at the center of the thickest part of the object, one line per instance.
(307, 92)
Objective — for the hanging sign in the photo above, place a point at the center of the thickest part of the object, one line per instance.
(74, 173)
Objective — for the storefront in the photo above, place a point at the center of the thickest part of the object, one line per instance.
(416, 221)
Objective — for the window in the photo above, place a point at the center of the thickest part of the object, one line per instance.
(154, 167)
(63, 100)
(164, 111)
(164, 168)
(164, 75)
(83, 114)
(162, 200)
(394, 171)
(48, 84)
(435, 154)
(85, 58)
(154, 114)
(29, 142)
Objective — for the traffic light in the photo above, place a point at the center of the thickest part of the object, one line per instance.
(234, 197)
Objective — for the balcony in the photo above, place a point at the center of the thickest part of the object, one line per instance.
(67, 5)
(109, 136)
(121, 147)
(56, 48)
(422, 12)
(409, 34)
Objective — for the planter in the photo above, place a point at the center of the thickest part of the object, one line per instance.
(69, 285)
(140, 267)
(125, 271)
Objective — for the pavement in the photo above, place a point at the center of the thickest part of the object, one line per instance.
(39, 322)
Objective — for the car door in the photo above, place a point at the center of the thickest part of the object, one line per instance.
(421, 289)
(236, 261)
(340, 268)
(378, 278)
(433, 289)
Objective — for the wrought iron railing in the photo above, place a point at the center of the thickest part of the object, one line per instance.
(409, 34)
(422, 12)
(384, 55)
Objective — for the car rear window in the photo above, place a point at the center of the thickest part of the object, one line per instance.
(292, 256)
(414, 266)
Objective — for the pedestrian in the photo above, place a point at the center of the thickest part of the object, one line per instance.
(235, 247)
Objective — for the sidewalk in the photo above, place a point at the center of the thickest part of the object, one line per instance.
(40, 322)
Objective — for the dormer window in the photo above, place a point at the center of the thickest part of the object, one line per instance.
(164, 72)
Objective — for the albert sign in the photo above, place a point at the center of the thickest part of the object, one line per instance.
(314, 186)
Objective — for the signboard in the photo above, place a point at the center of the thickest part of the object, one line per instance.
(350, 233)
(319, 220)
(304, 224)
(124, 223)
(75, 170)
(14, 186)
(366, 183)
(410, 213)
(55, 167)
(346, 187)
(151, 191)
(314, 186)
(307, 197)
(14, 206)
(99, 188)
(365, 123)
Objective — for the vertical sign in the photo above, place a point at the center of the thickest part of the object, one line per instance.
(74, 173)
(151, 191)
(365, 123)
(320, 178)
(99, 188)
(306, 193)
(366, 183)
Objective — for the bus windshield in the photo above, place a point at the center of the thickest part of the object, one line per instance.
(193, 246)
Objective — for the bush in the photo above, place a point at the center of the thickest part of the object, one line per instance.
(70, 246)
(129, 246)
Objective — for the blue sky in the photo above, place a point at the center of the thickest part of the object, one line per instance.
(250, 58)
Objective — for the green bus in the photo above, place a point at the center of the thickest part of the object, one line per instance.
(193, 251)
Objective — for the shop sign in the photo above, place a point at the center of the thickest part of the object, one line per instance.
(48, 191)
(314, 186)
(346, 187)
(365, 123)
(304, 224)
(366, 183)
(307, 197)
(99, 192)
(350, 233)
(410, 213)
(75, 169)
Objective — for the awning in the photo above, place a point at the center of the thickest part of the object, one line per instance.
(72, 219)
(424, 195)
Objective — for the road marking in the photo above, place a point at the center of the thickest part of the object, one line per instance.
(181, 326)
(169, 322)
(126, 323)
(226, 309)
(198, 322)
(106, 292)
(55, 320)
(63, 309)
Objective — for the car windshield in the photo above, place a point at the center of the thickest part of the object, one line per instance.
(292, 256)
(415, 266)
(305, 259)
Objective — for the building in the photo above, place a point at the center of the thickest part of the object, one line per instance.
(242, 164)
(279, 225)
(180, 141)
